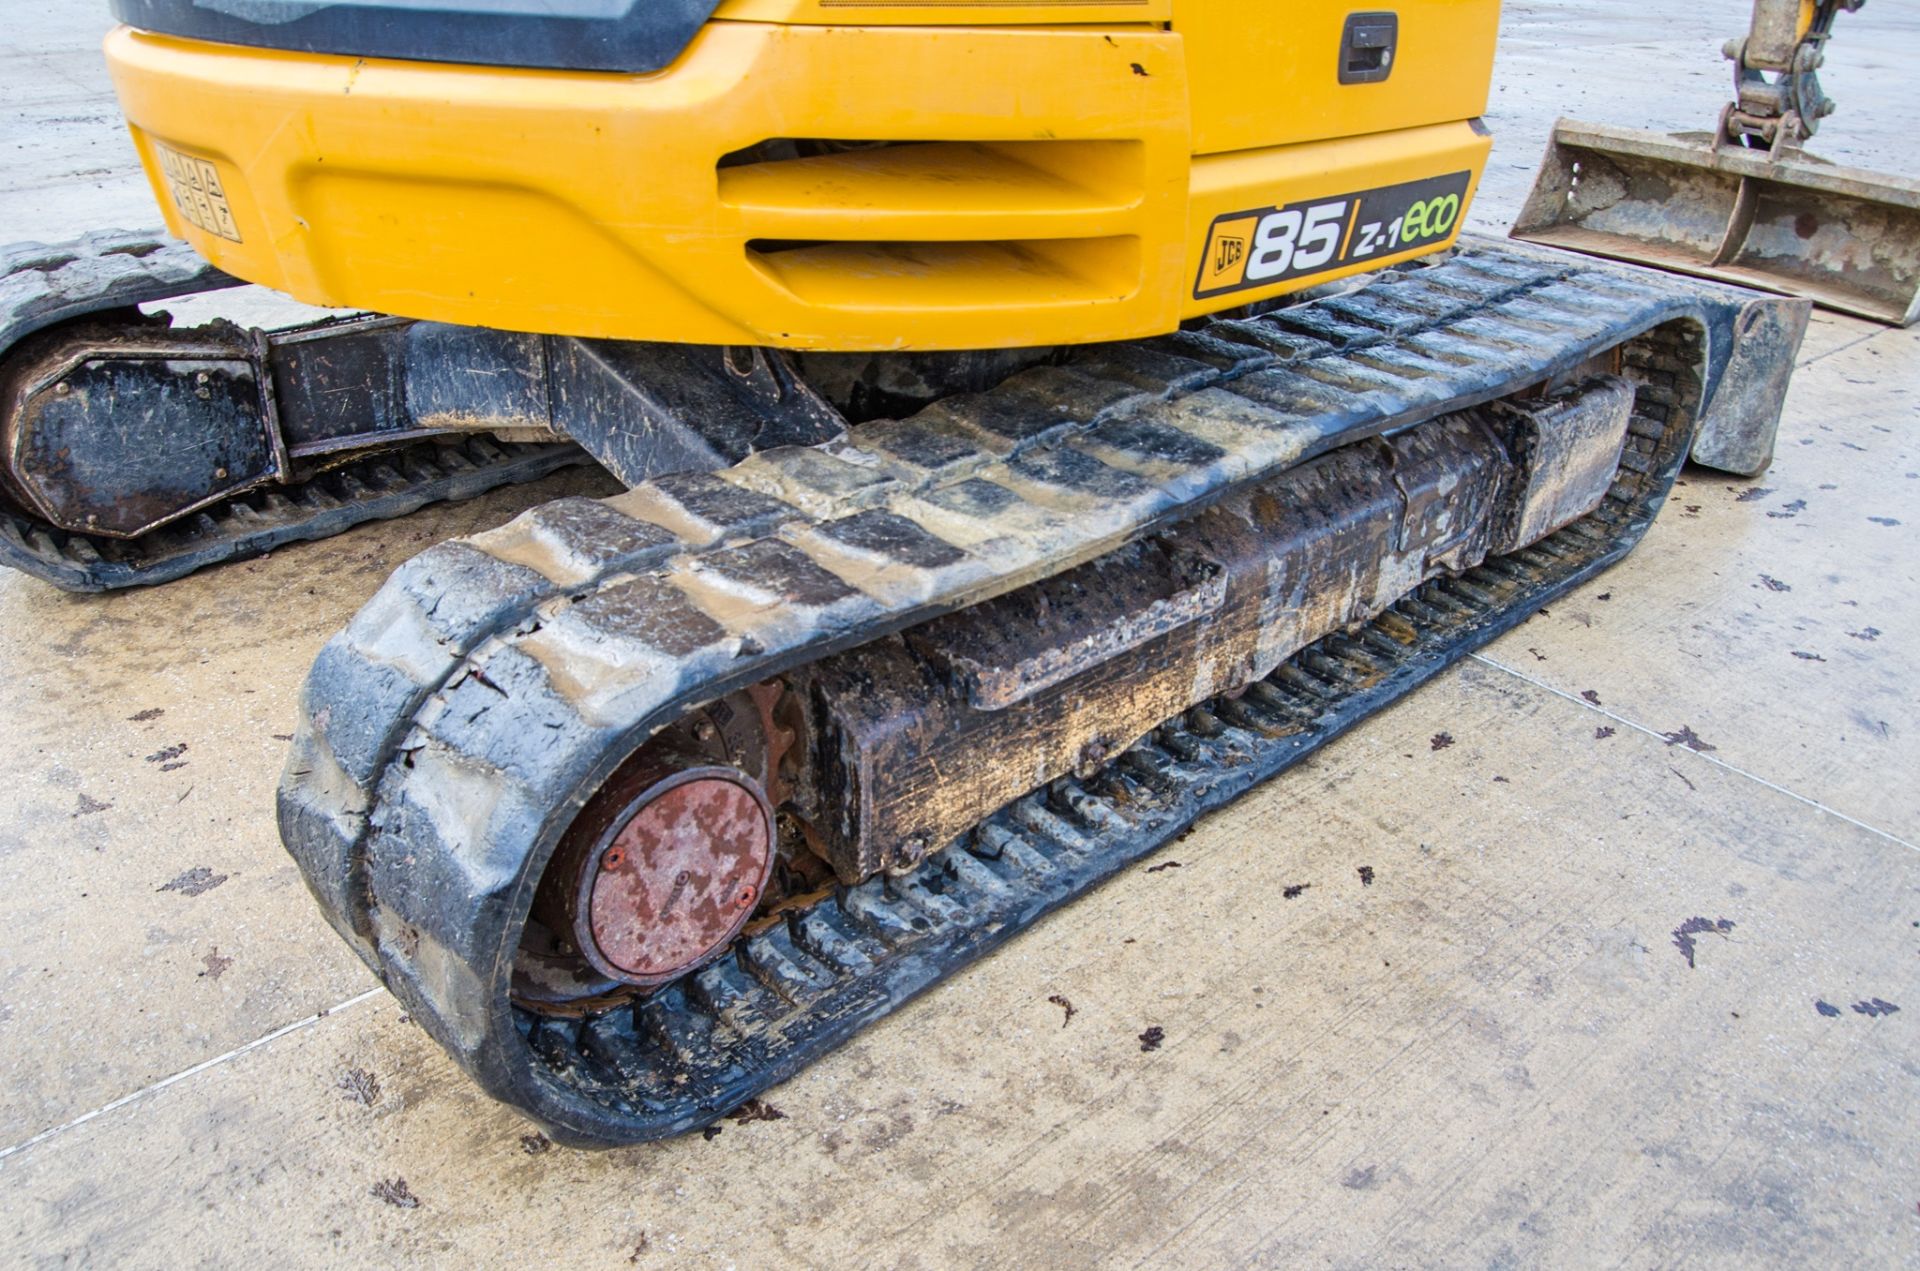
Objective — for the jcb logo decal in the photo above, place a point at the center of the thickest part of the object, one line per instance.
(1229, 253)
(1226, 258)
(1269, 245)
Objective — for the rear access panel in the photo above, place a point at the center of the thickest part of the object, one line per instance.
(1335, 67)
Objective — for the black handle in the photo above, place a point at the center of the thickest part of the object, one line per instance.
(1366, 47)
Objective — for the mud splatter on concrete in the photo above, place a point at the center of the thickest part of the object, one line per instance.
(1774, 584)
(1151, 1039)
(1440, 741)
(88, 805)
(1154, 869)
(1361, 1180)
(167, 754)
(1790, 510)
(1827, 1009)
(1883, 520)
(1366, 875)
(1804, 656)
(1602, 733)
(197, 881)
(1866, 633)
(215, 963)
(1683, 778)
(1590, 697)
(396, 1193)
(1874, 1007)
(1060, 1000)
(712, 1132)
(1753, 494)
(755, 1110)
(1684, 933)
(141, 717)
(889, 1128)
(359, 1085)
(1289, 893)
(1685, 736)
(535, 1144)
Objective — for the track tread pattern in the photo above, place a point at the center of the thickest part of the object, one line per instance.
(43, 284)
(442, 745)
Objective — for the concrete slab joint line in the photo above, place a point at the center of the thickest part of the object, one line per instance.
(1637, 726)
(185, 1073)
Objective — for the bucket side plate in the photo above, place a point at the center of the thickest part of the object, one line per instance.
(1845, 238)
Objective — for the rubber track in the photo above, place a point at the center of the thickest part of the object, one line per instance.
(449, 733)
(381, 486)
(44, 284)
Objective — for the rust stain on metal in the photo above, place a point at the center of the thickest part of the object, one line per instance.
(680, 877)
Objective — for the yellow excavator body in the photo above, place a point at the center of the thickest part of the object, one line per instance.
(813, 175)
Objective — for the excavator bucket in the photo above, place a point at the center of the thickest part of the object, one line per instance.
(1845, 238)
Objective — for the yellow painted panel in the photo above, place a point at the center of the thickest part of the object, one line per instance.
(945, 12)
(395, 242)
(589, 204)
(1267, 74)
(971, 282)
(1233, 190)
(1042, 187)
(1009, 190)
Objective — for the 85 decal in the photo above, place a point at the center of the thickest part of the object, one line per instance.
(1272, 244)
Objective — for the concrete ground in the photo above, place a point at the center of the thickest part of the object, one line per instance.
(1499, 1052)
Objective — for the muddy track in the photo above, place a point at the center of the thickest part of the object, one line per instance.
(111, 272)
(452, 730)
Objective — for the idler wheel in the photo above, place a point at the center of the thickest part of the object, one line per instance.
(661, 869)
(606, 922)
